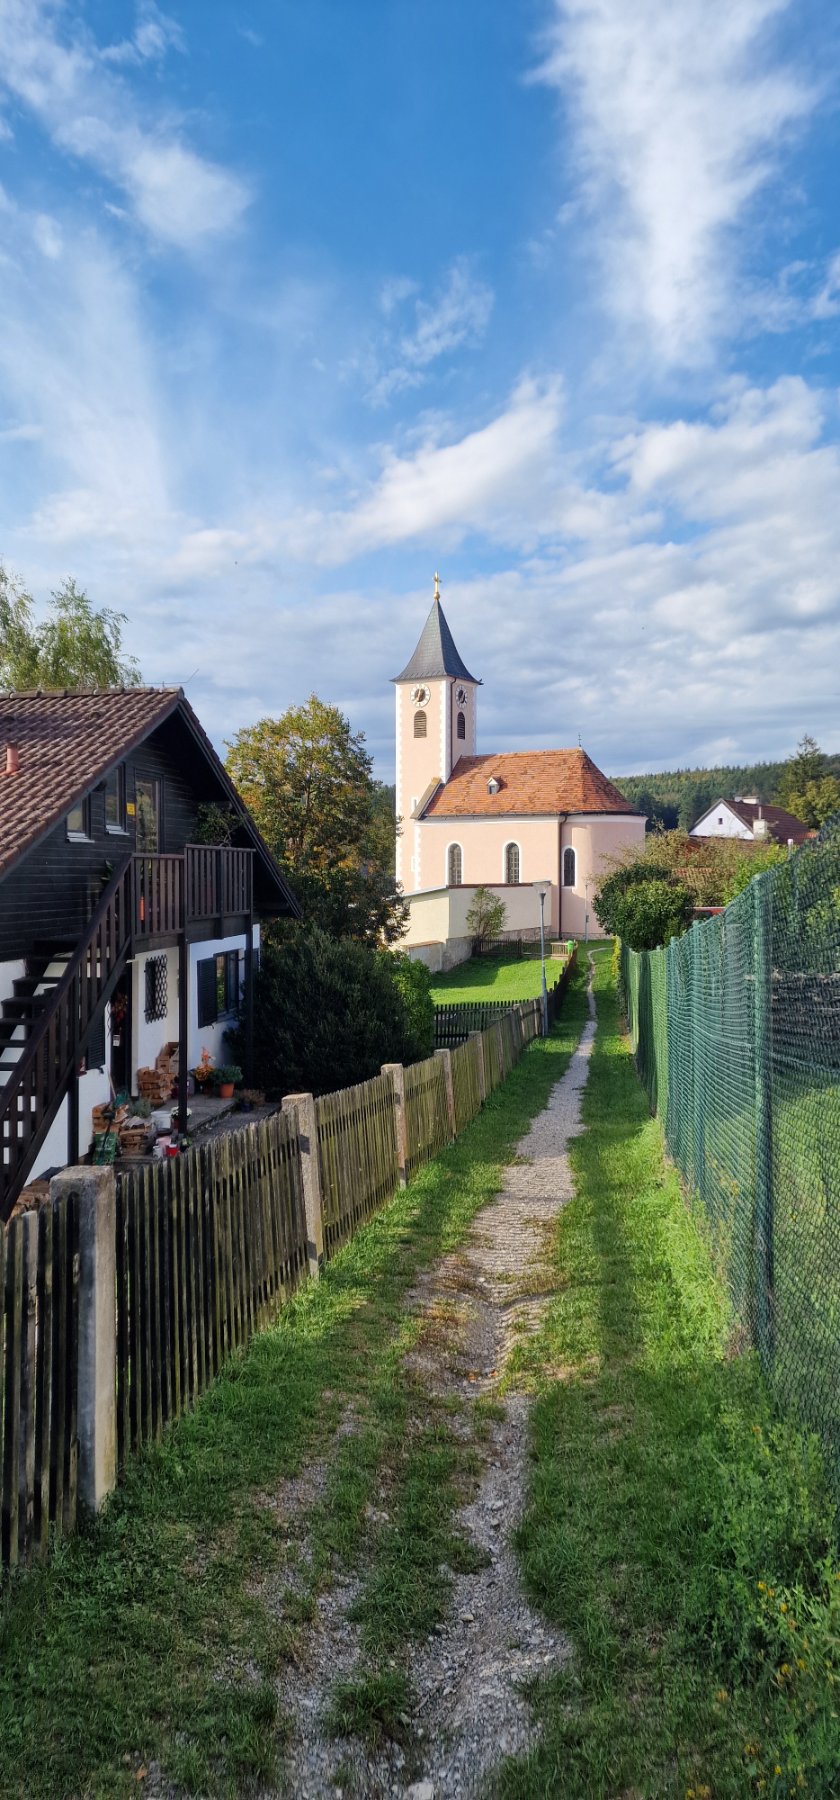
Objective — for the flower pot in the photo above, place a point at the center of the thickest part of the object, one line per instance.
(225, 1090)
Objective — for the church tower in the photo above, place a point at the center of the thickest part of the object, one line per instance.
(436, 725)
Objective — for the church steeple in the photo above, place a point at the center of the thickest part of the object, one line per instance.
(436, 655)
(436, 726)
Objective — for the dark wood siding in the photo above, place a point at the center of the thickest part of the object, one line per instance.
(50, 894)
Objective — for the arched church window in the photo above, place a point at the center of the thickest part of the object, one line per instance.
(512, 864)
(419, 724)
(461, 726)
(456, 866)
(569, 867)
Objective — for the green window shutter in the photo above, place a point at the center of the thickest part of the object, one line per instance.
(207, 1007)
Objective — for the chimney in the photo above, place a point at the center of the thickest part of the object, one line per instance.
(12, 759)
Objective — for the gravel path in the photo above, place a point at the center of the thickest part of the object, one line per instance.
(467, 1679)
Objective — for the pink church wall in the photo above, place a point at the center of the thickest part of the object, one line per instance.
(596, 843)
(483, 844)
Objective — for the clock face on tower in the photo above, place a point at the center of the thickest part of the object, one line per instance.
(420, 696)
(461, 696)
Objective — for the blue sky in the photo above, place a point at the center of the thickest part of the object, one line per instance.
(300, 302)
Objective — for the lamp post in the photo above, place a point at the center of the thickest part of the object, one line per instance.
(586, 910)
(543, 888)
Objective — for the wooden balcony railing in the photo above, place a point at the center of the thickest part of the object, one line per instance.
(173, 892)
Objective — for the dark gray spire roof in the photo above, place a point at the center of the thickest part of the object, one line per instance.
(436, 655)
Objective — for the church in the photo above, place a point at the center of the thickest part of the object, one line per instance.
(502, 821)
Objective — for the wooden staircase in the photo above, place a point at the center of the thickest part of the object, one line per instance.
(46, 1025)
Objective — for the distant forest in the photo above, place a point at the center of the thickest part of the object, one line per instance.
(678, 797)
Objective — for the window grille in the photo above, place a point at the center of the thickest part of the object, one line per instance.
(569, 867)
(156, 994)
(456, 866)
(512, 865)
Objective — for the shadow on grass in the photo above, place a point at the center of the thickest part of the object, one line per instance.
(145, 1637)
(662, 1492)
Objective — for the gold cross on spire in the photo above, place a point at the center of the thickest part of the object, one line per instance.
(437, 586)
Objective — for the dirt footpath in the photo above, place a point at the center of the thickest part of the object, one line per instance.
(469, 1709)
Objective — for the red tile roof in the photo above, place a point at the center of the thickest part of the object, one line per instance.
(530, 782)
(66, 742)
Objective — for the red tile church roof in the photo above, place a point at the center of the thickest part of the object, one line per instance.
(530, 782)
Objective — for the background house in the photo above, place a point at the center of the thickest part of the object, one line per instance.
(501, 821)
(751, 820)
(117, 933)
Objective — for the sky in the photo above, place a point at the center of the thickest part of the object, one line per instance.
(301, 302)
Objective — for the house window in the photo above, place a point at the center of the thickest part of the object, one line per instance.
(456, 866)
(156, 988)
(78, 821)
(147, 793)
(569, 867)
(218, 987)
(115, 800)
(461, 726)
(419, 724)
(512, 865)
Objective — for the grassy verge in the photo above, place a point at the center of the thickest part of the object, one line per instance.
(150, 1636)
(675, 1529)
(495, 978)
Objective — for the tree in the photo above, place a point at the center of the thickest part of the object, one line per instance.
(328, 1013)
(805, 765)
(643, 905)
(815, 801)
(307, 780)
(487, 916)
(75, 646)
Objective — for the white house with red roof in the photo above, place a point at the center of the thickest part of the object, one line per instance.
(502, 820)
(751, 820)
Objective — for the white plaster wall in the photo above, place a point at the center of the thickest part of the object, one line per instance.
(10, 972)
(148, 1039)
(210, 1037)
(730, 825)
(94, 1090)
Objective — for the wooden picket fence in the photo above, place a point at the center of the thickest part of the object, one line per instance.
(209, 1244)
(39, 1339)
(204, 1249)
(358, 1156)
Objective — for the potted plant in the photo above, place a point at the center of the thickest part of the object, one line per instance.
(226, 1077)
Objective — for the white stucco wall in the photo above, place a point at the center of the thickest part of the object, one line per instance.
(10, 972)
(94, 1090)
(720, 821)
(148, 1038)
(210, 1037)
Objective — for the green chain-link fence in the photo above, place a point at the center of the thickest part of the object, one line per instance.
(736, 1032)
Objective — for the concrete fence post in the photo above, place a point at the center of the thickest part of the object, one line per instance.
(304, 1107)
(397, 1077)
(446, 1059)
(477, 1041)
(96, 1198)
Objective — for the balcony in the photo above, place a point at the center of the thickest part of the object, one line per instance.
(203, 892)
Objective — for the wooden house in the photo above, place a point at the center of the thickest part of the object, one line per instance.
(118, 933)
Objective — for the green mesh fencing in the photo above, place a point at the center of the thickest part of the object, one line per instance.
(736, 1032)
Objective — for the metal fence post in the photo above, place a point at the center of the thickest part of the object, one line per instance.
(762, 1044)
(397, 1076)
(477, 1040)
(96, 1196)
(304, 1107)
(446, 1059)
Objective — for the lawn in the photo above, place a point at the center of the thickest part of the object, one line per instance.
(677, 1529)
(156, 1636)
(495, 978)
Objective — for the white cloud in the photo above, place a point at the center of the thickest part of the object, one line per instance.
(88, 111)
(455, 319)
(444, 488)
(154, 35)
(678, 111)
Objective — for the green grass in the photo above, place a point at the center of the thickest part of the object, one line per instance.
(158, 1632)
(495, 978)
(677, 1531)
